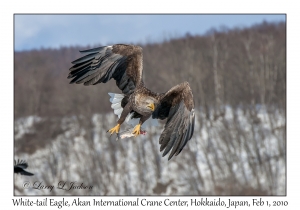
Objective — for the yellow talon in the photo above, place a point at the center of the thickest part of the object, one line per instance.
(137, 130)
(114, 129)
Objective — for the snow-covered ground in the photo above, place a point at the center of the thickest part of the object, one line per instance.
(233, 154)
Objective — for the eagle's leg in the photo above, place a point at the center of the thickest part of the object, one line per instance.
(137, 128)
(125, 112)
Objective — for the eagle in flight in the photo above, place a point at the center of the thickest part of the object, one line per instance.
(124, 63)
(19, 167)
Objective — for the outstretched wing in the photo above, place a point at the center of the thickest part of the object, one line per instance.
(19, 167)
(177, 105)
(26, 173)
(122, 62)
(21, 164)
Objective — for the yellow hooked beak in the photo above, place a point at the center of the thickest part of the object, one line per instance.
(151, 106)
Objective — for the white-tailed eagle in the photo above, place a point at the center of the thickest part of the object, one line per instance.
(19, 167)
(124, 63)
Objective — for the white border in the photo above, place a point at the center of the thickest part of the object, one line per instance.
(8, 8)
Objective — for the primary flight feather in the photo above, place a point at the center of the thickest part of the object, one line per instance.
(20, 166)
(124, 63)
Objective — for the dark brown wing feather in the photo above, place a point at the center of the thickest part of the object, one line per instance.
(177, 106)
(122, 62)
(21, 164)
(19, 167)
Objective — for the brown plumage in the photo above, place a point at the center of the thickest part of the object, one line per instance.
(124, 63)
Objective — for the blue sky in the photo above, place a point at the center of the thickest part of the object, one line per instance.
(54, 31)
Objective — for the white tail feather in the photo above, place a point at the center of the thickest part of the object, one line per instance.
(116, 105)
(118, 111)
(116, 99)
(116, 95)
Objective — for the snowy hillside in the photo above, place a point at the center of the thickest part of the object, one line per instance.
(237, 153)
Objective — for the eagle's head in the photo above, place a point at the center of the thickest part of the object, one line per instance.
(150, 104)
(145, 104)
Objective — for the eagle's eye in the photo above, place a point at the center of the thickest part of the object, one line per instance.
(151, 106)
